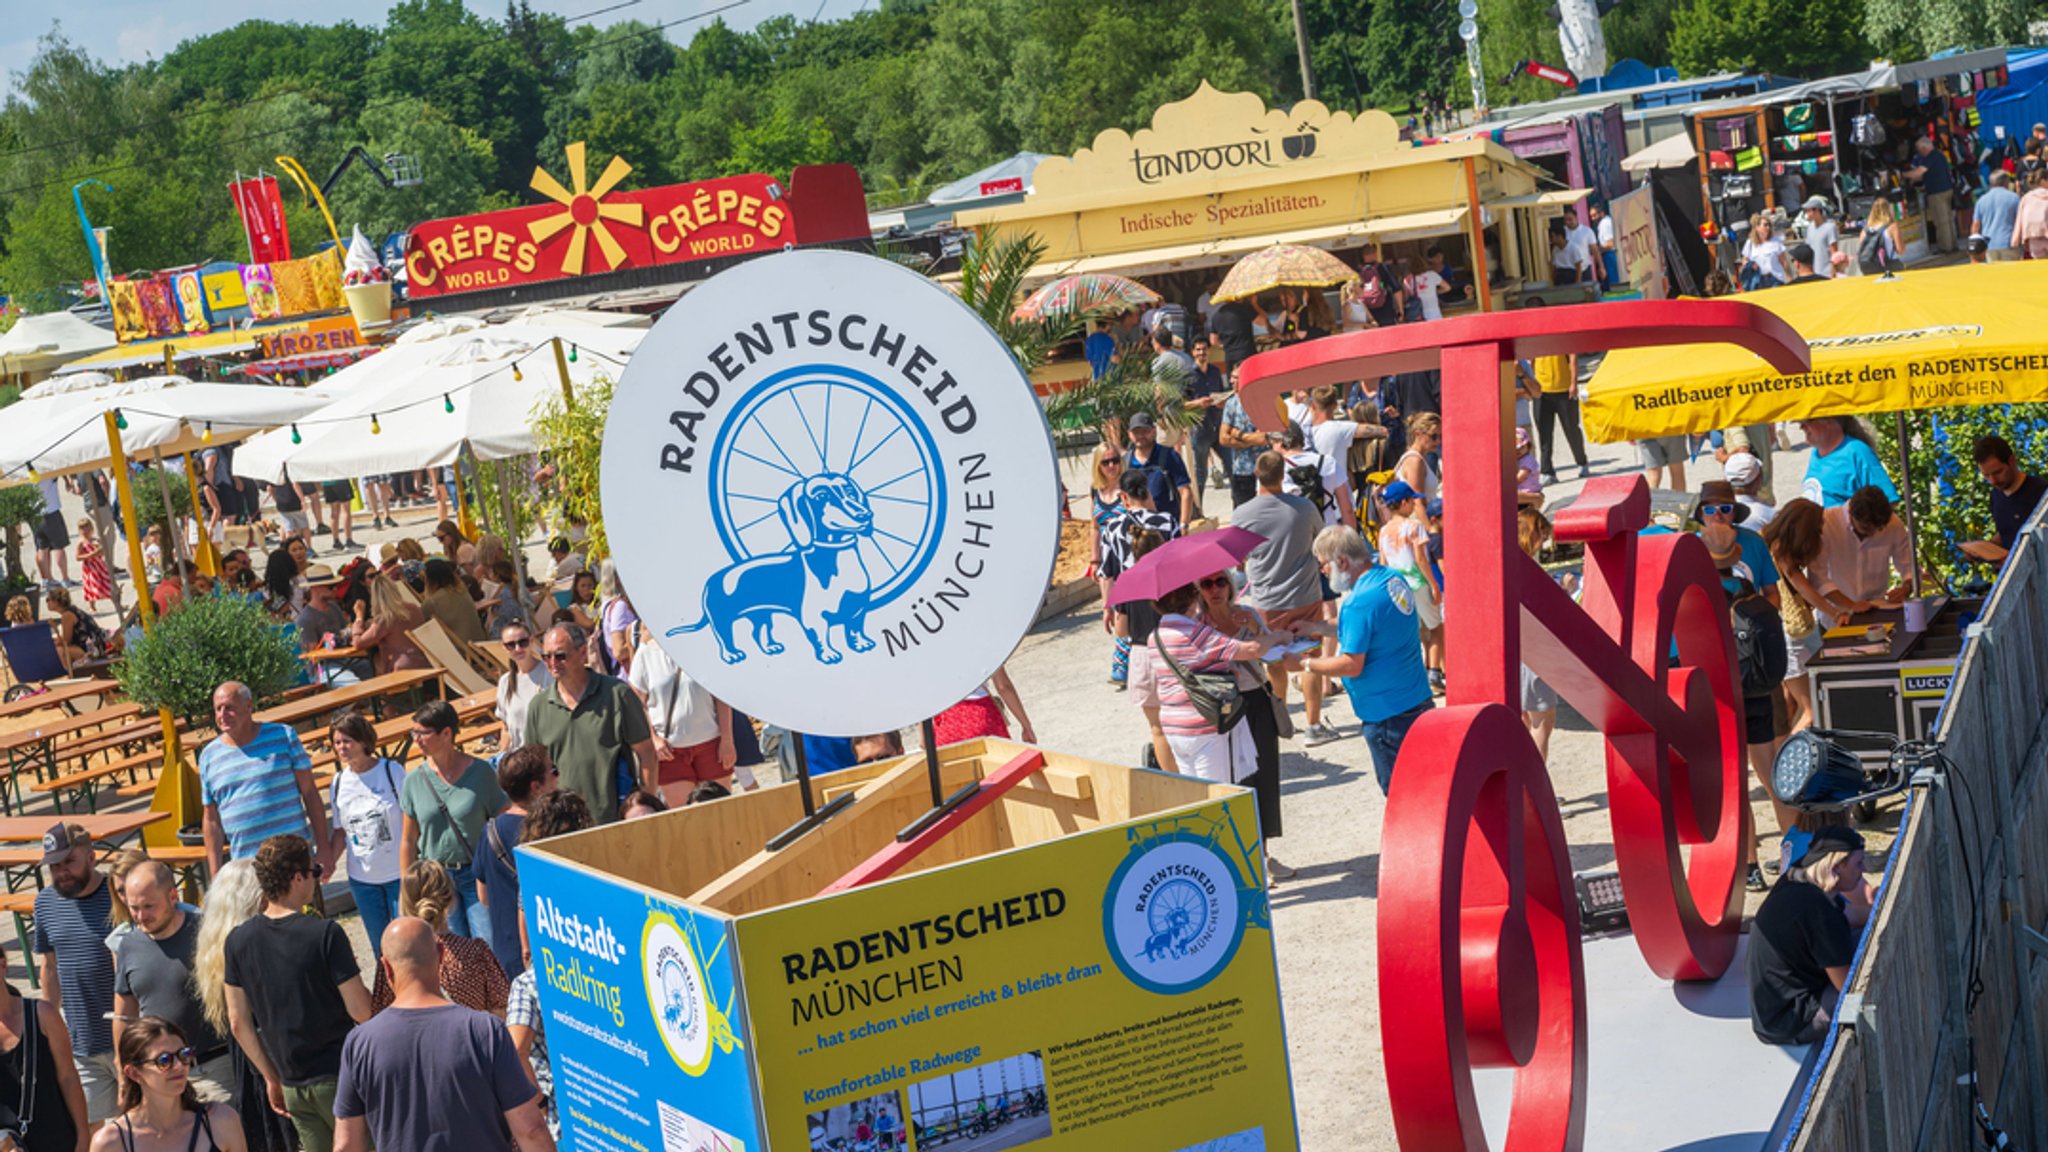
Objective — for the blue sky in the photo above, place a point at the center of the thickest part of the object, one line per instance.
(126, 31)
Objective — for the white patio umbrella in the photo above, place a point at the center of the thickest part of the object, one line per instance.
(426, 399)
(171, 415)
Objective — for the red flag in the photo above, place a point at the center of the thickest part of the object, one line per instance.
(262, 209)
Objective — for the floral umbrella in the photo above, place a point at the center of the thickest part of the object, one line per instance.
(1087, 292)
(1282, 266)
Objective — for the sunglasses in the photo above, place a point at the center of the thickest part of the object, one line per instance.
(1717, 509)
(1214, 582)
(516, 645)
(163, 1061)
(556, 657)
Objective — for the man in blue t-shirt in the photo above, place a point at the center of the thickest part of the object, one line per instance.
(255, 782)
(1379, 647)
(1172, 489)
(1840, 464)
(1718, 512)
(1993, 218)
(1931, 169)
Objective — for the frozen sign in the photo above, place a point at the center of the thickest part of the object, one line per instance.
(831, 492)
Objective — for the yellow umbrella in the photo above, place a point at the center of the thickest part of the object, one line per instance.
(1944, 337)
(1282, 266)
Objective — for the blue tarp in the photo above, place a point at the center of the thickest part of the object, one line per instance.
(2021, 103)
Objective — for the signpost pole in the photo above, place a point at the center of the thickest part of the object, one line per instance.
(562, 369)
(942, 804)
(813, 815)
(173, 791)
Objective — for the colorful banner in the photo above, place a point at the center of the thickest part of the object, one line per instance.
(159, 307)
(331, 334)
(599, 230)
(191, 302)
(261, 289)
(262, 210)
(1635, 239)
(129, 322)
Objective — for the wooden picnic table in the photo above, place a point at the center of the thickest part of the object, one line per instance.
(23, 866)
(115, 826)
(334, 655)
(320, 704)
(35, 746)
(56, 696)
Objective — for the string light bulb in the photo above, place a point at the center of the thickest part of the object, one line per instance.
(34, 476)
(375, 428)
(206, 434)
(447, 405)
(296, 438)
(120, 420)
(517, 374)
(572, 353)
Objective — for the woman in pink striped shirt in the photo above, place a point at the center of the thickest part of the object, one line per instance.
(1191, 646)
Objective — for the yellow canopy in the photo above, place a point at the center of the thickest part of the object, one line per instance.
(1967, 335)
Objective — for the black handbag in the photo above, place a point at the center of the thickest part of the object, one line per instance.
(1215, 695)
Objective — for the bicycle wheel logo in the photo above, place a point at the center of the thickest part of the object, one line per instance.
(1172, 915)
(676, 993)
(828, 498)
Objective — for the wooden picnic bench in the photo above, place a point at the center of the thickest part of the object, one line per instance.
(87, 781)
(22, 906)
(60, 695)
(35, 746)
(320, 705)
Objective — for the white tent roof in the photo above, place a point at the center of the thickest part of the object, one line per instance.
(1674, 151)
(39, 343)
(166, 412)
(410, 387)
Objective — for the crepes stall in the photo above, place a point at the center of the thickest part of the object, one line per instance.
(1939, 338)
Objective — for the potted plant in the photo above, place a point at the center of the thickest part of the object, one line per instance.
(21, 506)
(200, 644)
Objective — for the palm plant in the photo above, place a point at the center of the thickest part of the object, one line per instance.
(993, 268)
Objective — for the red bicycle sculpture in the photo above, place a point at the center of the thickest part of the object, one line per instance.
(1479, 953)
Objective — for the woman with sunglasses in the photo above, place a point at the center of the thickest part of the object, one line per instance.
(159, 1111)
(1105, 505)
(445, 805)
(1220, 610)
(527, 678)
(1182, 645)
(367, 823)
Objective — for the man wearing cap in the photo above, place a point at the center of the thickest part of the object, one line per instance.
(255, 781)
(1993, 217)
(76, 970)
(1745, 473)
(1803, 269)
(1802, 940)
(1821, 235)
(1861, 546)
(321, 621)
(1173, 492)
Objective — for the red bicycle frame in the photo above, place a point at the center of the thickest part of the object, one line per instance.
(1480, 964)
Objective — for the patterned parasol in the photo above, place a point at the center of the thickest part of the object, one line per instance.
(1087, 292)
(1282, 266)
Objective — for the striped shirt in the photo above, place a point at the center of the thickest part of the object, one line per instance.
(522, 1010)
(77, 930)
(256, 787)
(1196, 647)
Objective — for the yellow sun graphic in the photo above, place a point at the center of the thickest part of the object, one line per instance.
(584, 210)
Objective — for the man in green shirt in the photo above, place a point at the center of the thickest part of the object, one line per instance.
(587, 721)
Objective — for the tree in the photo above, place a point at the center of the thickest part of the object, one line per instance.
(1793, 37)
(1413, 55)
(1915, 28)
(1511, 31)
(202, 643)
(1640, 30)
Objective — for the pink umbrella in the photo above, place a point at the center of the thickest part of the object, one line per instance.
(1178, 563)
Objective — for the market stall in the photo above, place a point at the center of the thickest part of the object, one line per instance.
(1848, 138)
(1943, 337)
(1219, 175)
(37, 345)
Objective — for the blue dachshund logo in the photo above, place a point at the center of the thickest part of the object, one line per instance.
(820, 580)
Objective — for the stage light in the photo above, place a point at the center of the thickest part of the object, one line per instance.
(1601, 907)
(1814, 773)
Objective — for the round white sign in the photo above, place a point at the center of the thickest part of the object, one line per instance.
(830, 492)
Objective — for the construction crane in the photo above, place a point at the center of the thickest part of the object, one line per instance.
(397, 171)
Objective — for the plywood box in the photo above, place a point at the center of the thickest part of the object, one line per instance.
(1081, 958)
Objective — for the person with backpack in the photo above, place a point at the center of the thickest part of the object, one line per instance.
(1378, 295)
(1750, 577)
(1315, 477)
(1880, 252)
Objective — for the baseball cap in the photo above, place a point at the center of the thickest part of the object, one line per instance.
(60, 840)
(1140, 420)
(1801, 253)
(1818, 203)
(1398, 492)
(1801, 844)
(1743, 469)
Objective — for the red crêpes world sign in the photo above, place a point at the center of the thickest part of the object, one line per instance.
(591, 228)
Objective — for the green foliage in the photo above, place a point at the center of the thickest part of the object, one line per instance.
(573, 438)
(1799, 38)
(1640, 30)
(1916, 28)
(1951, 503)
(21, 505)
(202, 643)
(149, 499)
(1409, 53)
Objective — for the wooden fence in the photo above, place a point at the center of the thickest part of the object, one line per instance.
(1893, 1076)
